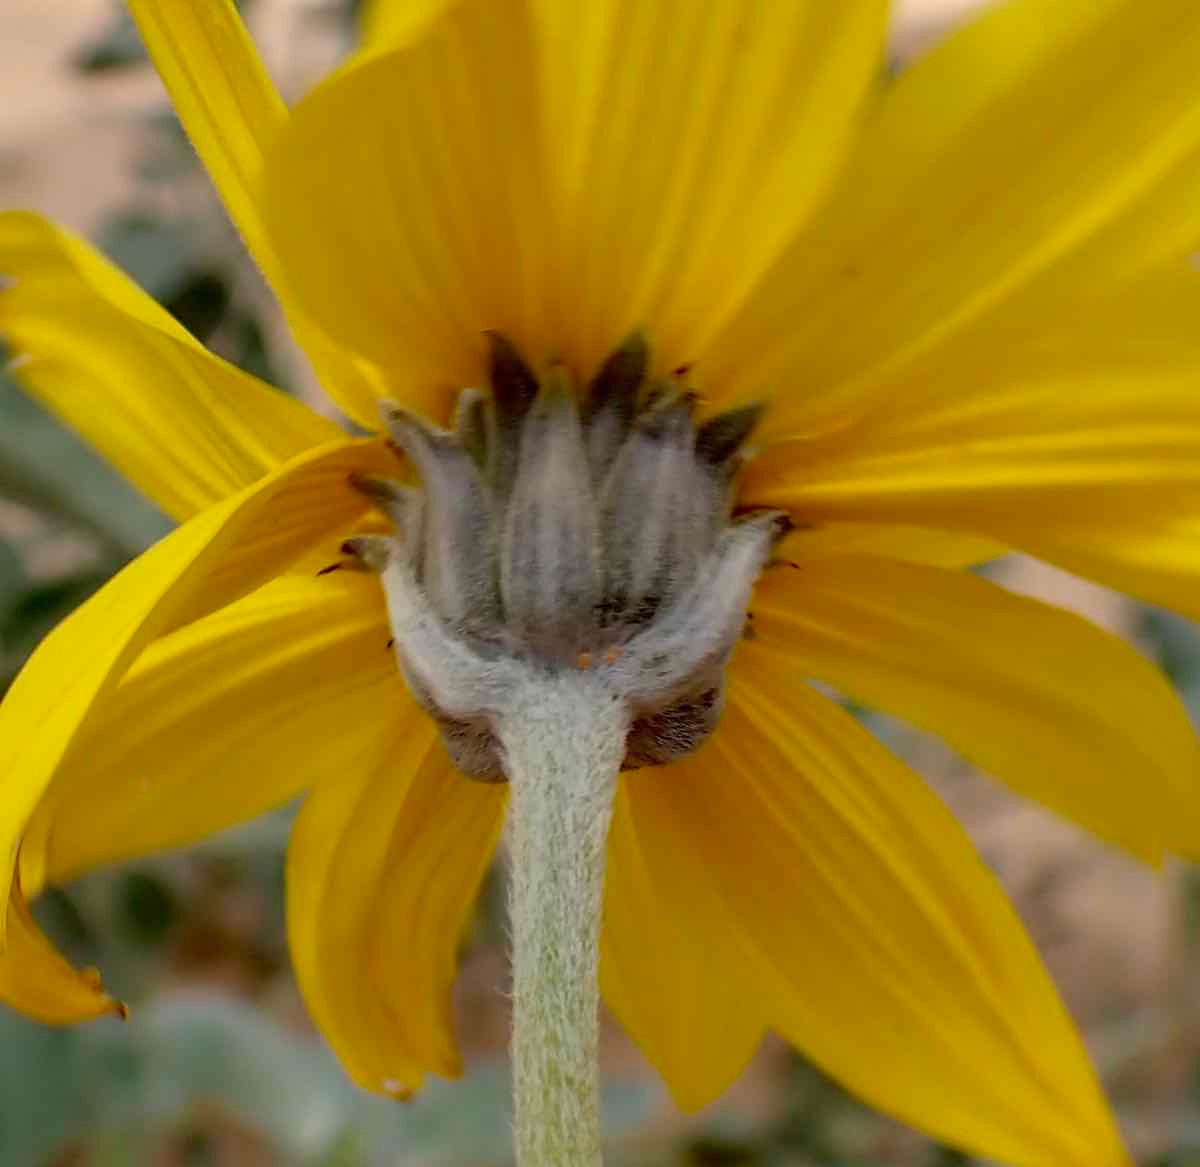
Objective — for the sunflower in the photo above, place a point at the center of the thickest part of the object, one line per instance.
(707, 282)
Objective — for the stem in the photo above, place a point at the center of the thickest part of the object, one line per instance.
(563, 740)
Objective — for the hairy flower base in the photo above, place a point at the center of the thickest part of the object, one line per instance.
(563, 531)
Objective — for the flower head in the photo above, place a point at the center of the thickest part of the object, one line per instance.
(962, 305)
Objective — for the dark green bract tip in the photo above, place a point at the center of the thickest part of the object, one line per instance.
(616, 384)
(514, 385)
(723, 435)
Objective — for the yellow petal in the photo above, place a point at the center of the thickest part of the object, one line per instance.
(221, 93)
(218, 722)
(222, 554)
(1151, 554)
(35, 979)
(383, 869)
(1144, 327)
(882, 945)
(406, 200)
(184, 426)
(1006, 456)
(1083, 450)
(561, 173)
(669, 969)
(687, 143)
(232, 113)
(1054, 706)
(1047, 151)
(386, 24)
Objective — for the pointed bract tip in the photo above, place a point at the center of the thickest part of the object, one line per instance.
(721, 437)
(467, 405)
(393, 413)
(413, 433)
(779, 523)
(513, 384)
(619, 378)
(367, 552)
(636, 343)
(667, 411)
(381, 491)
(630, 358)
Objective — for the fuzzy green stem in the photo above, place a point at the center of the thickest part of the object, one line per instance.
(563, 740)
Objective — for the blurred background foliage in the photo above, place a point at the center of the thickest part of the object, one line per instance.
(219, 1065)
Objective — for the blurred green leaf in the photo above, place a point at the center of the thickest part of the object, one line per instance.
(107, 1081)
(116, 46)
(167, 155)
(470, 1120)
(1176, 644)
(148, 905)
(41, 1096)
(213, 1049)
(200, 303)
(12, 579)
(161, 255)
(710, 1151)
(157, 253)
(118, 919)
(47, 468)
(41, 607)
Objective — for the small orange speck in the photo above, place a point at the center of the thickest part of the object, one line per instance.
(121, 1010)
(395, 1089)
(583, 660)
(613, 655)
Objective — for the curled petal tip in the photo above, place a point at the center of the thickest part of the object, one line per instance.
(396, 1090)
(91, 977)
